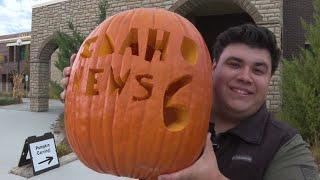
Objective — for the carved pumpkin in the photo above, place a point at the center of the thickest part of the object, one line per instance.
(139, 96)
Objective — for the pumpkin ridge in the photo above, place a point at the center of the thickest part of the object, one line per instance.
(178, 24)
(134, 172)
(107, 167)
(109, 134)
(109, 157)
(116, 162)
(188, 131)
(137, 172)
(151, 173)
(95, 124)
(130, 170)
(92, 105)
(75, 136)
(114, 159)
(162, 138)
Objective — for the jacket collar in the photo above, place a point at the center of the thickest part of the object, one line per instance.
(252, 129)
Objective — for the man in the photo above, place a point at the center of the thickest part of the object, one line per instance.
(249, 143)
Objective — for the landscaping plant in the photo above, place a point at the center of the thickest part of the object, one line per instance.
(301, 86)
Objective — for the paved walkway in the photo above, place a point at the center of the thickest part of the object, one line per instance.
(17, 123)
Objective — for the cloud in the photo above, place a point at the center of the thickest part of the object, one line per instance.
(15, 15)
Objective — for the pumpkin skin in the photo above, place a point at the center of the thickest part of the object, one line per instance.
(139, 97)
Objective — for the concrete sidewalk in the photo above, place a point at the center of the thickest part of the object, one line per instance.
(17, 123)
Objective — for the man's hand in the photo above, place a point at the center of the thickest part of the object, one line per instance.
(205, 168)
(65, 80)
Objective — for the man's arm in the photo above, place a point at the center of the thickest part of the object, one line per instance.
(293, 161)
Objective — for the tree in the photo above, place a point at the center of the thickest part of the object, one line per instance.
(301, 84)
(70, 44)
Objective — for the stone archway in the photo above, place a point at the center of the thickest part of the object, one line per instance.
(47, 19)
(184, 7)
(211, 17)
(40, 75)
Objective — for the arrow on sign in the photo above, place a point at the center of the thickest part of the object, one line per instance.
(49, 158)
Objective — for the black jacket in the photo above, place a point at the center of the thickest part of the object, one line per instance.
(245, 152)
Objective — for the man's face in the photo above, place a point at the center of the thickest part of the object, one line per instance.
(241, 79)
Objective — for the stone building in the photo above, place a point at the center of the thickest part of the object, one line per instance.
(14, 54)
(210, 17)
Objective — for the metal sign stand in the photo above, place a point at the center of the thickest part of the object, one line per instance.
(43, 155)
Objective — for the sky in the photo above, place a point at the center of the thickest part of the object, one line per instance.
(15, 15)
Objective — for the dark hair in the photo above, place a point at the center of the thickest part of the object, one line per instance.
(251, 35)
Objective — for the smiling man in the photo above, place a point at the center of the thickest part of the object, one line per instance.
(247, 143)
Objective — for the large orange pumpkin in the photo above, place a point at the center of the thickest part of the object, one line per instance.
(139, 97)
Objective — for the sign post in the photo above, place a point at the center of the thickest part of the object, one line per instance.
(43, 154)
(27, 79)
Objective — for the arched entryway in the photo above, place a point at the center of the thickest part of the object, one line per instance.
(211, 17)
(40, 73)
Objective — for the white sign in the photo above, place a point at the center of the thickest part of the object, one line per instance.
(43, 154)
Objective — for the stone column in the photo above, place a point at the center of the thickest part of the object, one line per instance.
(39, 86)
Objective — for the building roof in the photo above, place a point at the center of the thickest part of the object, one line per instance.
(11, 39)
(47, 3)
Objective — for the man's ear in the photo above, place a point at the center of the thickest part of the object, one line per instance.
(214, 64)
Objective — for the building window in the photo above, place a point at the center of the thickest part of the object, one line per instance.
(2, 58)
(22, 53)
(11, 53)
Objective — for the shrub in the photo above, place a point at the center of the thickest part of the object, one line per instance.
(301, 84)
(5, 94)
(8, 101)
(54, 90)
(63, 148)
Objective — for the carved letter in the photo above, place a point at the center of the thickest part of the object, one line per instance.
(176, 116)
(87, 51)
(143, 81)
(77, 79)
(157, 40)
(116, 84)
(131, 41)
(92, 82)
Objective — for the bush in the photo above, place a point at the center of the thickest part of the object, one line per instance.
(60, 122)
(301, 85)
(8, 101)
(54, 90)
(315, 149)
(63, 148)
(5, 94)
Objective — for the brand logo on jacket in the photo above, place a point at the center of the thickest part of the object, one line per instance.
(245, 158)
